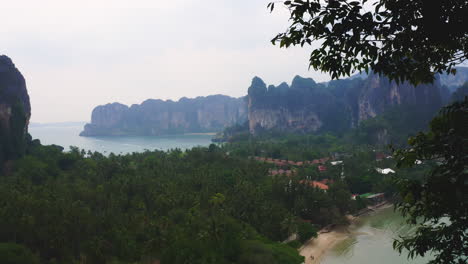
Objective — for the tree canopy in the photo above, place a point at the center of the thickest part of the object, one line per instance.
(404, 40)
(440, 200)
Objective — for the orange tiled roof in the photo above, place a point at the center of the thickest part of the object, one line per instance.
(315, 184)
(320, 185)
(326, 181)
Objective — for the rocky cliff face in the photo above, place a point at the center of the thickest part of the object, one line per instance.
(336, 106)
(452, 82)
(283, 119)
(157, 117)
(277, 107)
(379, 94)
(305, 106)
(15, 111)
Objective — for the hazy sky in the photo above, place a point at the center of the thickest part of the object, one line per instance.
(76, 55)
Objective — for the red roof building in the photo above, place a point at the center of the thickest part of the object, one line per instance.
(315, 184)
(322, 168)
(327, 181)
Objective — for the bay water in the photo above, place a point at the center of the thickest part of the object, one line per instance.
(67, 134)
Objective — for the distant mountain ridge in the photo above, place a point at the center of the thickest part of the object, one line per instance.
(157, 117)
(303, 106)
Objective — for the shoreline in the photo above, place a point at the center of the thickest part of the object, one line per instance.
(201, 134)
(316, 248)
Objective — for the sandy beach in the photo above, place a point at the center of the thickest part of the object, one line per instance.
(201, 134)
(315, 249)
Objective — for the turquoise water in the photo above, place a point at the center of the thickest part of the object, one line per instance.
(67, 135)
(371, 241)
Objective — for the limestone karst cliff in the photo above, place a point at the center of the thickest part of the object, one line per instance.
(379, 94)
(304, 106)
(15, 111)
(158, 117)
(282, 107)
(307, 106)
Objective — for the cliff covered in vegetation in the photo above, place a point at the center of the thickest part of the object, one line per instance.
(307, 106)
(304, 106)
(157, 117)
(15, 111)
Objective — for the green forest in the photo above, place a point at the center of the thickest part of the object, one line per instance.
(203, 205)
(215, 204)
(293, 160)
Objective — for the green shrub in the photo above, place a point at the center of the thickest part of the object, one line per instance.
(294, 244)
(306, 231)
(11, 253)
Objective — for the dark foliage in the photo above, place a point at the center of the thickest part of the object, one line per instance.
(439, 202)
(404, 40)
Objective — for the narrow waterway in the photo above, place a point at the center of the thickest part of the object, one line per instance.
(371, 241)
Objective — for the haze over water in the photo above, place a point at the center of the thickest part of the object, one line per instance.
(67, 134)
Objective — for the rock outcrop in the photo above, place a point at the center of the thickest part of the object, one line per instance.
(282, 108)
(379, 94)
(158, 117)
(15, 111)
(305, 106)
(452, 82)
(336, 106)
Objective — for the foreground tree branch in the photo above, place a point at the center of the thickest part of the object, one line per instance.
(416, 39)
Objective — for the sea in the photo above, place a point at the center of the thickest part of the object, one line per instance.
(67, 134)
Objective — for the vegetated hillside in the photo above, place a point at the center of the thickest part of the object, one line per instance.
(15, 111)
(196, 206)
(157, 117)
(204, 205)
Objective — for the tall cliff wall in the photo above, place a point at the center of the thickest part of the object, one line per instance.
(379, 94)
(304, 106)
(158, 117)
(335, 106)
(15, 111)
